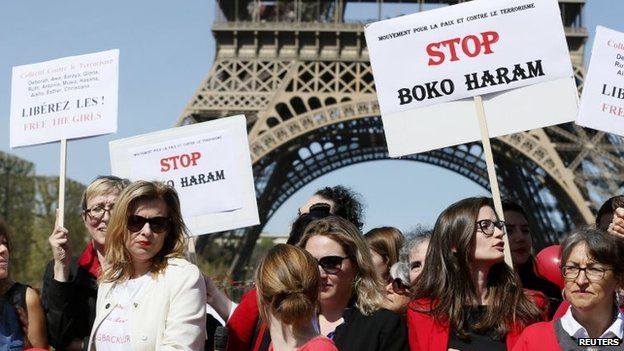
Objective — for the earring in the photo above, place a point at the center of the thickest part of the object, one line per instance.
(563, 296)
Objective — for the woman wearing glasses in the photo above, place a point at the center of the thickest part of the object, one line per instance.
(593, 270)
(467, 298)
(351, 296)
(398, 288)
(149, 297)
(70, 284)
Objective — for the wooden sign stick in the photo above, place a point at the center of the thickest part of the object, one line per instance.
(491, 170)
(61, 194)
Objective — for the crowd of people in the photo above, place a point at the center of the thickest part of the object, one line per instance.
(330, 287)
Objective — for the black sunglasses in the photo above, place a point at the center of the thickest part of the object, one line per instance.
(398, 286)
(331, 264)
(157, 224)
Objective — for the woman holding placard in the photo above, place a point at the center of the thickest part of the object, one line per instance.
(69, 284)
(149, 296)
(464, 293)
(593, 270)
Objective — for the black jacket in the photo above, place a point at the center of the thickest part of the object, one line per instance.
(382, 331)
(69, 306)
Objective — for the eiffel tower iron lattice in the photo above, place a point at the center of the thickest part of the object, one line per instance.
(301, 75)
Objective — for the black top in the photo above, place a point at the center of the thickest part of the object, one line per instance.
(476, 341)
(382, 331)
(69, 306)
(17, 295)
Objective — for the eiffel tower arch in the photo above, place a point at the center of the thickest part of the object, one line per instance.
(301, 75)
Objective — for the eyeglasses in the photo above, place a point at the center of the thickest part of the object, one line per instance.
(487, 226)
(157, 224)
(592, 273)
(331, 264)
(97, 212)
(398, 286)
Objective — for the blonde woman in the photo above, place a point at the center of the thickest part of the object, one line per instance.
(288, 285)
(351, 295)
(149, 296)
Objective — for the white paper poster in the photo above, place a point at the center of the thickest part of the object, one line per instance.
(428, 64)
(66, 98)
(207, 163)
(602, 102)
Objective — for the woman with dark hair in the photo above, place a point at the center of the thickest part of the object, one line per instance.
(22, 297)
(467, 297)
(149, 296)
(521, 247)
(288, 284)
(593, 270)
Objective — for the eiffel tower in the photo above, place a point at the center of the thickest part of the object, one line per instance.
(301, 75)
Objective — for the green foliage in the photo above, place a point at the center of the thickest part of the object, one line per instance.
(28, 204)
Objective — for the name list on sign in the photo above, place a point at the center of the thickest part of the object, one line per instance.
(459, 48)
(612, 90)
(54, 82)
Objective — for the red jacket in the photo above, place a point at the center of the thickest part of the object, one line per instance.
(425, 334)
(538, 337)
(243, 322)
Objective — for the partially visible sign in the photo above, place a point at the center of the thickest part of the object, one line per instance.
(66, 98)
(428, 65)
(207, 163)
(602, 102)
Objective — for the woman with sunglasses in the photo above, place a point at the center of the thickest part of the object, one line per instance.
(288, 283)
(69, 284)
(398, 288)
(149, 296)
(593, 270)
(466, 297)
(351, 295)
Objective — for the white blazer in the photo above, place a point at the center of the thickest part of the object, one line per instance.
(171, 315)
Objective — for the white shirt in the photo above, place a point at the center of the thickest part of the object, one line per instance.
(114, 332)
(576, 330)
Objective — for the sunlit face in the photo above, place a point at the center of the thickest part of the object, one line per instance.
(380, 264)
(336, 288)
(4, 257)
(584, 294)
(417, 260)
(313, 200)
(488, 249)
(97, 226)
(144, 244)
(396, 302)
(520, 242)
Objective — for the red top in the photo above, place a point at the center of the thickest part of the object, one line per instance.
(427, 335)
(538, 337)
(242, 323)
(320, 343)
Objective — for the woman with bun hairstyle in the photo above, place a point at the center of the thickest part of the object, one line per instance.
(288, 283)
(467, 297)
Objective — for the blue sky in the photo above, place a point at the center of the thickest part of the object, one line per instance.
(166, 48)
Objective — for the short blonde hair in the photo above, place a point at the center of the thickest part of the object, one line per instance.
(117, 255)
(367, 288)
(288, 282)
(103, 185)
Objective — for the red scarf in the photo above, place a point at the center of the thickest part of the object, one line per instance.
(89, 260)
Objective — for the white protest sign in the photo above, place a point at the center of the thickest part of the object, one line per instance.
(425, 65)
(67, 98)
(602, 102)
(207, 163)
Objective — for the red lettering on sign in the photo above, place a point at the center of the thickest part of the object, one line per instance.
(471, 45)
